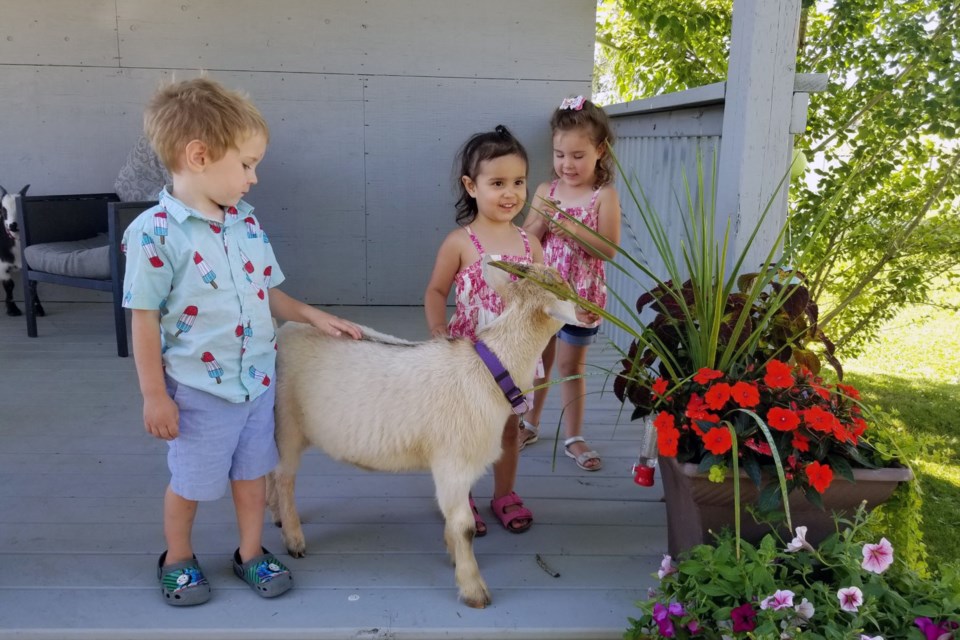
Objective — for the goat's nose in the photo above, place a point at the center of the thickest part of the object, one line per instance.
(13, 227)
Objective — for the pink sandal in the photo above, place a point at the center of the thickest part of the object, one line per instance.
(507, 518)
(477, 520)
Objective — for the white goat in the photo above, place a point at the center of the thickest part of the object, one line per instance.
(386, 404)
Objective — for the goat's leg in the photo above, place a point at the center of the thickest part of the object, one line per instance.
(12, 309)
(280, 483)
(453, 491)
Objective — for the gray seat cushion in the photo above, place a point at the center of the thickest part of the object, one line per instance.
(89, 258)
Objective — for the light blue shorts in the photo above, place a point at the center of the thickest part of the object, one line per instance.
(578, 336)
(219, 441)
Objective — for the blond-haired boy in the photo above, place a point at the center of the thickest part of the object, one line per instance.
(200, 279)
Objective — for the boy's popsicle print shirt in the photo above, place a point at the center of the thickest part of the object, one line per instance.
(210, 282)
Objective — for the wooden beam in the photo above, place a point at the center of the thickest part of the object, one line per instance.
(756, 143)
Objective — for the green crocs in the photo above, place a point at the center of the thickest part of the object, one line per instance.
(182, 583)
(265, 574)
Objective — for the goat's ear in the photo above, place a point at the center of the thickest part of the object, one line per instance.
(495, 276)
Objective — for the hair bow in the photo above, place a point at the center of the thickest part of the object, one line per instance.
(573, 104)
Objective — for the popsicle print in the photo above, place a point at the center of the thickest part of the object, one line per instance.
(247, 265)
(149, 248)
(214, 370)
(187, 318)
(209, 275)
(267, 273)
(256, 374)
(160, 225)
(256, 288)
(251, 226)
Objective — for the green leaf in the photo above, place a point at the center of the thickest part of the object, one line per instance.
(770, 498)
(752, 468)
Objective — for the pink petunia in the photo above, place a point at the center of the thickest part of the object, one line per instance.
(933, 631)
(850, 599)
(799, 542)
(782, 599)
(877, 558)
(666, 567)
(805, 609)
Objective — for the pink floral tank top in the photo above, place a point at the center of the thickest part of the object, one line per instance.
(585, 272)
(477, 303)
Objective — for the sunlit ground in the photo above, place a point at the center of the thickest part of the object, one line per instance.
(913, 374)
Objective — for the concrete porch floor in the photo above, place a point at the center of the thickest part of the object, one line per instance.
(81, 489)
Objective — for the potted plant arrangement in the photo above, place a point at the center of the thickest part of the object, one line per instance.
(725, 367)
(852, 585)
(798, 439)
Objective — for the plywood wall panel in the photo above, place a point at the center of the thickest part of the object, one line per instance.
(410, 156)
(58, 32)
(540, 39)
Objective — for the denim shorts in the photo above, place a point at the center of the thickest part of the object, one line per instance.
(219, 441)
(578, 336)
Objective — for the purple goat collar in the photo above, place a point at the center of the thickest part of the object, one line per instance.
(514, 396)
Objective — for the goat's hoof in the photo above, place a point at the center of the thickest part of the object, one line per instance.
(13, 310)
(278, 524)
(480, 601)
(38, 310)
(296, 554)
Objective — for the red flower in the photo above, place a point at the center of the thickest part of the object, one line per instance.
(697, 410)
(745, 394)
(660, 386)
(800, 442)
(819, 475)
(782, 419)
(843, 434)
(849, 391)
(717, 440)
(859, 426)
(820, 419)
(717, 395)
(823, 392)
(779, 375)
(705, 375)
(663, 421)
(667, 439)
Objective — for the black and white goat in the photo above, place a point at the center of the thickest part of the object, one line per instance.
(10, 252)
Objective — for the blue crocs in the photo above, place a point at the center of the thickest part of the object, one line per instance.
(265, 574)
(182, 583)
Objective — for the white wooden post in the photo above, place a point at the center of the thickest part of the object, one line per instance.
(756, 143)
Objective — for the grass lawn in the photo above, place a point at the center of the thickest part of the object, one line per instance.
(913, 374)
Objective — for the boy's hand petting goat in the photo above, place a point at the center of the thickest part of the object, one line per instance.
(387, 404)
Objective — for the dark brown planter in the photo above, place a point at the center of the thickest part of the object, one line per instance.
(696, 506)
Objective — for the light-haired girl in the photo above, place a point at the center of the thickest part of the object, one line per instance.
(493, 189)
(582, 191)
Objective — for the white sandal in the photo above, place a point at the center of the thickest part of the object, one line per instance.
(584, 457)
(532, 428)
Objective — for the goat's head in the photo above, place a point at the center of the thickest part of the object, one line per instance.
(7, 215)
(537, 286)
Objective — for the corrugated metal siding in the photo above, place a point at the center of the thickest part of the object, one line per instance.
(656, 150)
